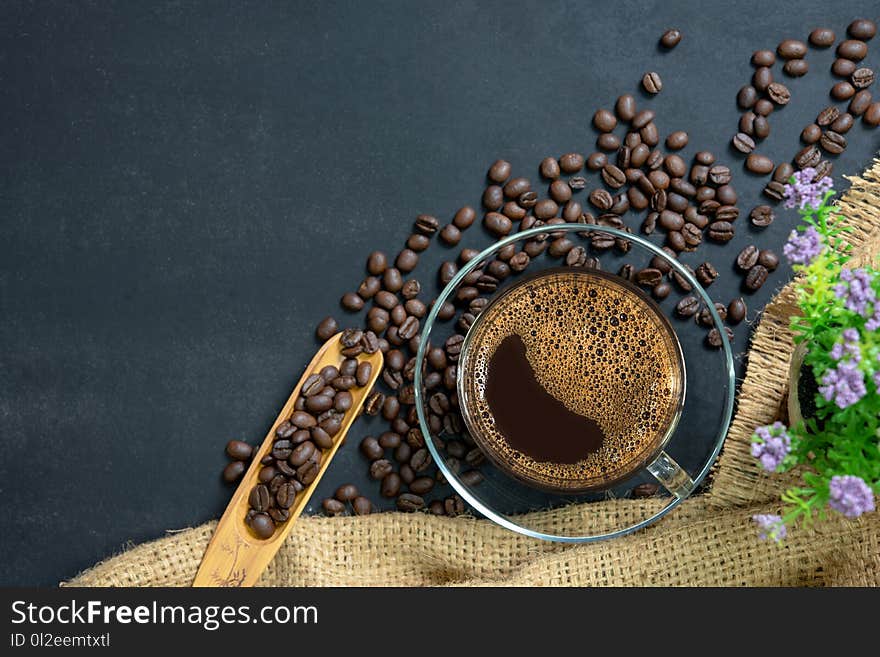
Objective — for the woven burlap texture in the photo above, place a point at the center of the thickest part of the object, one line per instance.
(708, 541)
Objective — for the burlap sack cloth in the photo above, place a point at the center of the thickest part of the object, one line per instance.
(708, 540)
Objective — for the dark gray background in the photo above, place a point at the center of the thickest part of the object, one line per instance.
(186, 190)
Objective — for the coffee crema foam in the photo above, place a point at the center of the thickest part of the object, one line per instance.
(598, 346)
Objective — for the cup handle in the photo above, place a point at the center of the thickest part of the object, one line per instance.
(671, 475)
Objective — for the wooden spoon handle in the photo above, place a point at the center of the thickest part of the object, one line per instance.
(235, 557)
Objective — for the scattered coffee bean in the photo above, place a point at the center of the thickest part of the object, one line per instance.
(760, 164)
(747, 258)
(779, 93)
(762, 216)
(842, 91)
(792, 49)
(713, 337)
(862, 78)
(743, 143)
(811, 134)
(652, 82)
(688, 306)
(736, 311)
(843, 68)
(768, 259)
(822, 37)
(763, 58)
(843, 123)
(872, 115)
(756, 277)
(706, 274)
(796, 67)
(464, 217)
(852, 49)
(233, 471)
(862, 28)
(327, 328)
(677, 140)
(833, 142)
(499, 171)
(672, 37)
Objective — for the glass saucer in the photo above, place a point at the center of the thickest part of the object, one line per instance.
(644, 496)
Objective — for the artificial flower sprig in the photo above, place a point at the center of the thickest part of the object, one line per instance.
(840, 322)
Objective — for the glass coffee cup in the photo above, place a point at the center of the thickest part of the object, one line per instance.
(660, 438)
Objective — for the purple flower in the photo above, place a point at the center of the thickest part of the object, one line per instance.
(770, 445)
(850, 347)
(850, 495)
(877, 382)
(803, 192)
(771, 526)
(873, 322)
(801, 248)
(844, 384)
(856, 291)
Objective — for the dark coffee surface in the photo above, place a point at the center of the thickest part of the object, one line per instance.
(187, 188)
(532, 420)
(583, 372)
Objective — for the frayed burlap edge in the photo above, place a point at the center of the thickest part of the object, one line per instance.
(707, 541)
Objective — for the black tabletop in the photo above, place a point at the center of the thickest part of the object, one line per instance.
(187, 189)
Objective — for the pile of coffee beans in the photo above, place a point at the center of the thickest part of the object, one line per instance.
(299, 441)
(633, 168)
(825, 138)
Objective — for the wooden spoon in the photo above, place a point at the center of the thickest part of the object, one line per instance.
(235, 556)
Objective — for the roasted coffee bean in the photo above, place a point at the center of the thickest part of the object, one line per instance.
(286, 428)
(371, 448)
(380, 468)
(392, 280)
(768, 259)
(862, 28)
(747, 258)
(333, 507)
(747, 123)
(726, 195)
(842, 91)
(860, 103)
(811, 134)
(368, 288)
(762, 216)
(796, 67)
(704, 317)
(833, 142)
(706, 274)
(743, 143)
(343, 401)
(775, 190)
(649, 277)
(736, 311)
(650, 134)
(604, 121)
(327, 328)
(756, 277)
(779, 93)
(573, 162)
(763, 58)
(822, 37)
(746, 97)
(627, 272)
(688, 306)
(362, 506)
(652, 83)
(843, 68)
(670, 220)
(373, 403)
(385, 300)
(285, 496)
(808, 156)
(549, 168)
(677, 140)
(601, 199)
(516, 187)
(497, 224)
(613, 176)
(721, 231)
(259, 497)
(420, 460)
(407, 502)
(239, 450)
(643, 118)
(418, 242)
(726, 213)
(625, 107)
(279, 515)
(681, 281)
(545, 209)
(862, 78)
(760, 164)
(872, 114)
(827, 116)
(390, 486)
(464, 217)
(675, 241)
(560, 191)
(499, 171)
(608, 141)
(852, 49)
(421, 485)
(692, 236)
(791, 49)
(783, 172)
(262, 525)
(843, 123)
(234, 470)
(670, 38)
(320, 437)
(658, 201)
(763, 108)
(720, 174)
(424, 224)
(406, 260)
(596, 161)
(661, 290)
(762, 78)
(493, 197)
(319, 403)
(713, 337)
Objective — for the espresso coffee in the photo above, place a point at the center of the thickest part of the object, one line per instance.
(571, 380)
